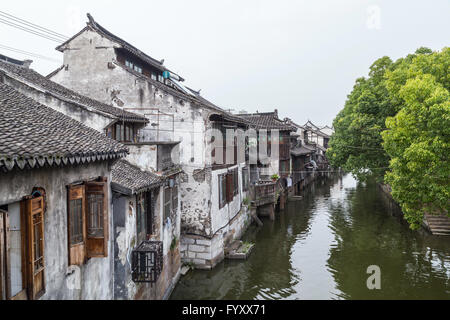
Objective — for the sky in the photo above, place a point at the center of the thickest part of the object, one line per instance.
(299, 57)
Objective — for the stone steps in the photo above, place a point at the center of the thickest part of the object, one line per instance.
(438, 225)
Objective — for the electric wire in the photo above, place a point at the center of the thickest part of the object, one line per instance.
(27, 53)
(33, 25)
(37, 33)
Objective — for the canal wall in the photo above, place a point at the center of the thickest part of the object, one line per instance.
(435, 224)
(205, 253)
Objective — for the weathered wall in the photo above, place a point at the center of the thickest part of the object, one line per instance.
(143, 156)
(93, 279)
(126, 240)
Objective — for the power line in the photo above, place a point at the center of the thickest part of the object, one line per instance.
(42, 35)
(32, 25)
(31, 54)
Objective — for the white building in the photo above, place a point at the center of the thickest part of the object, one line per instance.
(100, 65)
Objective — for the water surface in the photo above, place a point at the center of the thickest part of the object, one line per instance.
(320, 248)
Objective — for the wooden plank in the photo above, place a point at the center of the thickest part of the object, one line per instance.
(22, 295)
(77, 252)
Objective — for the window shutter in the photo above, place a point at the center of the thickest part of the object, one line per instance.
(149, 213)
(96, 219)
(34, 212)
(76, 224)
(175, 199)
(229, 183)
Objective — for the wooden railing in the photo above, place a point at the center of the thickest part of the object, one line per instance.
(264, 193)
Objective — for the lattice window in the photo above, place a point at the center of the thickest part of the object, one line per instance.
(76, 221)
(147, 261)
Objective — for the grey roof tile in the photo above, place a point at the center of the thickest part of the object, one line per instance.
(133, 178)
(267, 120)
(33, 135)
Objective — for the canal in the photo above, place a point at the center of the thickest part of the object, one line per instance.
(321, 247)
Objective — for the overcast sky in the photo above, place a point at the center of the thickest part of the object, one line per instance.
(301, 57)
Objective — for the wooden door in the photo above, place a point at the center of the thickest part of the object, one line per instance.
(34, 212)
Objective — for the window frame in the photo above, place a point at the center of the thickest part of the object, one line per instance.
(93, 245)
(167, 203)
(222, 190)
(245, 179)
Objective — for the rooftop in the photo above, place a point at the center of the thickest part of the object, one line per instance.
(300, 151)
(132, 178)
(29, 75)
(267, 120)
(178, 88)
(33, 135)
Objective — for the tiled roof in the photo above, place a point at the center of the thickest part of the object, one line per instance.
(92, 24)
(267, 120)
(29, 75)
(309, 126)
(300, 151)
(132, 178)
(33, 135)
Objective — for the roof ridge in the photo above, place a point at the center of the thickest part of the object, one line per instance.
(62, 92)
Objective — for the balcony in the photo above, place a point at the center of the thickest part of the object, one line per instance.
(147, 262)
(263, 193)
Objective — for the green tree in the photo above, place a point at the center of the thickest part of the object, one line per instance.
(395, 126)
(356, 144)
(417, 138)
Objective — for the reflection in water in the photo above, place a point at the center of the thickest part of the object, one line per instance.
(320, 248)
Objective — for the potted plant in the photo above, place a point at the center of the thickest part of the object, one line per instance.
(275, 177)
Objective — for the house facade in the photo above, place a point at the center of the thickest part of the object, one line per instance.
(55, 209)
(145, 162)
(100, 65)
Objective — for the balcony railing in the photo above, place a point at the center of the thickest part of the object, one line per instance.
(147, 261)
(264, 193)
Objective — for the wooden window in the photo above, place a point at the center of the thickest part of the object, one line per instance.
(230, 183)
(175, 198)
(245, 179)
(96, 216)
(144, 215)
(167, 203)
(123, 132)
(222, 190)
(87, 221)
(235, 181)
(76, 224)
(27, 264)
(33, 214)
(119, 132)
(149, 218)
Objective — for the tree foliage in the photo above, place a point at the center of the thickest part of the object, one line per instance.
(417, 138)
(356, 144)
(395, 126)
